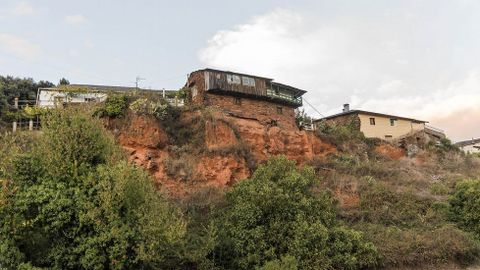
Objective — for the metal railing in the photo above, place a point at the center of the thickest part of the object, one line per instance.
(274, 94)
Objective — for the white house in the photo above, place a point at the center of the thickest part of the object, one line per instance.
(58, 97)
(85, 93)
(469, 146)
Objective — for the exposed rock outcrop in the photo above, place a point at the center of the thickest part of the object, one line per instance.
(232, 147)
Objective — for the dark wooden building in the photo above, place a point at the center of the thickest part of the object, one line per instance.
(245, 95)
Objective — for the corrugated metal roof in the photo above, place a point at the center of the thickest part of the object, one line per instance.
(298, 92)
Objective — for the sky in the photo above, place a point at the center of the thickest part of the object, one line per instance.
(417, 59)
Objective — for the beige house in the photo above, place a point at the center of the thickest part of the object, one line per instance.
(383, 126)
(470, 146)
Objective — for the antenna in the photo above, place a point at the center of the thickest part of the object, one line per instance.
(137, 80)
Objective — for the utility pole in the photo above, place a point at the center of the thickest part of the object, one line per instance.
(137, 80)
(14, 124)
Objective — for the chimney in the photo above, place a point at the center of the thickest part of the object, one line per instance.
(346, 107)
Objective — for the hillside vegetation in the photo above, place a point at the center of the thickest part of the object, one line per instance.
(70, 199)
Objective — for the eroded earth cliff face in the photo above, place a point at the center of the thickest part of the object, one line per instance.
(227, 151)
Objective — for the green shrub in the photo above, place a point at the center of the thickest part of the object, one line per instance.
(380, 204)
(339, 134)
(439, 189)
(72, 202)
(276, 213)
(465, 206)
(158, 109)
(115, 105)
(287, 262)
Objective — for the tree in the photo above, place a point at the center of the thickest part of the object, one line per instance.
(72, 202)
(302, 118)
(276, 214)
(63, 81)
(23, 88)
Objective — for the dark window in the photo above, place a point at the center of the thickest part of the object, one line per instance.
(279, 110)
(237, 101)
(392, 122)
(372, 121)
(90, 99)
(388, 137)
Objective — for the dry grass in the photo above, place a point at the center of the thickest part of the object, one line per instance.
(402, 206)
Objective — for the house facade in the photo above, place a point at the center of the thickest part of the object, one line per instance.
(470, 146)
(378, 125)
(88, 93)
(246, 96)
(56, 97)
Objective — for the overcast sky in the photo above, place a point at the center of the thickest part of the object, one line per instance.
(413, 58)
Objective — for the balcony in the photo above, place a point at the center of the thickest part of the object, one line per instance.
(285, 96)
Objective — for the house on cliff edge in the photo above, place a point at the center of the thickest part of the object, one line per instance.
(246, 96)
(384, 126)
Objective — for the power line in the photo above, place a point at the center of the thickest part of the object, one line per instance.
(313, 107)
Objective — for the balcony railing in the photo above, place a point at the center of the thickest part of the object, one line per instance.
(283, 96)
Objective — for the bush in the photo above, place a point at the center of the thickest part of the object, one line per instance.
(115, 105)
(287, 262)
(414, 247)
(158, 109)
(465, 206)
(339, 134)
(276, 213)
(73, 203)
(380, 204)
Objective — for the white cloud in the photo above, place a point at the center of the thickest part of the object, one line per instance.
(19, 47)
(75, 19)
(22, 9)
(390, 62)
(74, 52)
(89, 44)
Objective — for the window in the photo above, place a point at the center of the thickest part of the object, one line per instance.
(90, 99)
(237, 101)
(372, 121)
(247, 81)
(194, 91)
(392, 122)
(233, 79)
(279, 110)
(388, 137)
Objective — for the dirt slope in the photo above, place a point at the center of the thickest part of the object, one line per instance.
(230, 149)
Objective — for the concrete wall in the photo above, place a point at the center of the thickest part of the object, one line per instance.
(48, 98)
(383, 128)
(471, 148)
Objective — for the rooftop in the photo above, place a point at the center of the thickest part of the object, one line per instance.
(232, 72)
(370, 113)
(467, 142)
(297, 92)
(97, 87)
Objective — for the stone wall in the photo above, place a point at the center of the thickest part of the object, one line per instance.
(196, 83)
(346, 120)
(263, 111)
